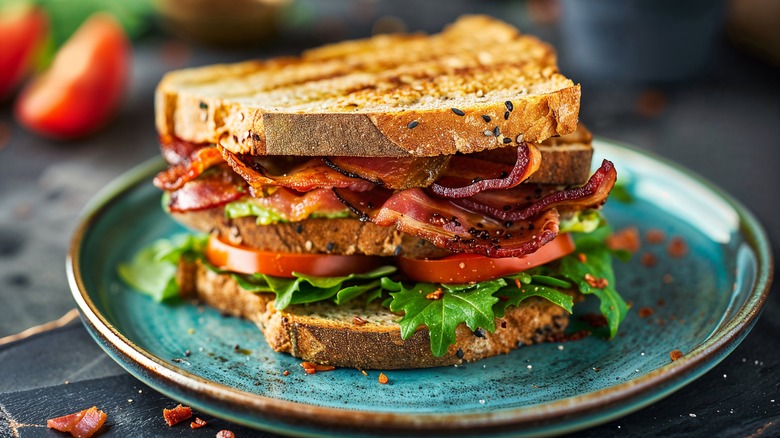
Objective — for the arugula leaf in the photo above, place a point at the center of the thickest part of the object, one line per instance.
(549, 281)
(472, 305)
(598, 263)
(511, 295)
(152, 270)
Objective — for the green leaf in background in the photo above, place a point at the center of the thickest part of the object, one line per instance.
(621, 193)
(472, 305)
(65, 16)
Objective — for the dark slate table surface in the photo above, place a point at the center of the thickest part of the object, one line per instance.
(724, 125)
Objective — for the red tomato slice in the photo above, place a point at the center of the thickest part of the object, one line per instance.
(467, 268)
(84, 85)
(23, 30)
(245, 260)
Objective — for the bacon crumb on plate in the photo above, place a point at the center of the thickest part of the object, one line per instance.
(177, 415)
(82, 424)
(226, 434)
(677, 248)
(655, 236)
(383, 378)
(312, 368)
(675, 354)
(626, 239)
(644, 312)
(648, 259)
(197, 424)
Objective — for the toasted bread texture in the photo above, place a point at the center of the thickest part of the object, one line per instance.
(329, 334)
(319, 235)
(466, 89)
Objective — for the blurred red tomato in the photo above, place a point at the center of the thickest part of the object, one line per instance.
(23, 30)
(84, 85)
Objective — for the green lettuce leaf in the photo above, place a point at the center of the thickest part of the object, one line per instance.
(309, 289)
(511, 295)
(598, 263)
(477, 305)
(470, 304)
(152, 270)
(266, 216)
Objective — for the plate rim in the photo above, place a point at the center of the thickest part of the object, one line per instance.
(576, 412)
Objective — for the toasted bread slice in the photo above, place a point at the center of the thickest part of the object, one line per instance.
(318, 235)
(328, 334)
(391, 95)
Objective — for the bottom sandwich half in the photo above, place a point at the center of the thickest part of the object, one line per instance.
(366, 335)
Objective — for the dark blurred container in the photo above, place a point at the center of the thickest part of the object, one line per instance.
(640, 40)
(222, 22)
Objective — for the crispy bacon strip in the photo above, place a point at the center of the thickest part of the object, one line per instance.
(82, 424)
(450, 226)
(213, 189)
(175, 150)
(498, 205)
(295, 206)
(463, 167)
(392, 172)
(187, 170)
(303, 176)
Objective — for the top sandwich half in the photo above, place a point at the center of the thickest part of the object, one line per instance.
(478, 85)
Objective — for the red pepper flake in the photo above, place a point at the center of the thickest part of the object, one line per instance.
(626, 239)
(435, 295)
(177, 415)
(677, 247)
(644, 312)
(655, 236)
(226, 434)
(82, 424)
(286, 373)
(675, 354)
(311, 367)
(648, 259)
(197, 424)
(582, 257)
(358, 320)
(598, 283)
(383, 379)
(518, 283)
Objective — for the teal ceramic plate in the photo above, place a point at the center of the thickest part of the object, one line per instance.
(704, 304)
